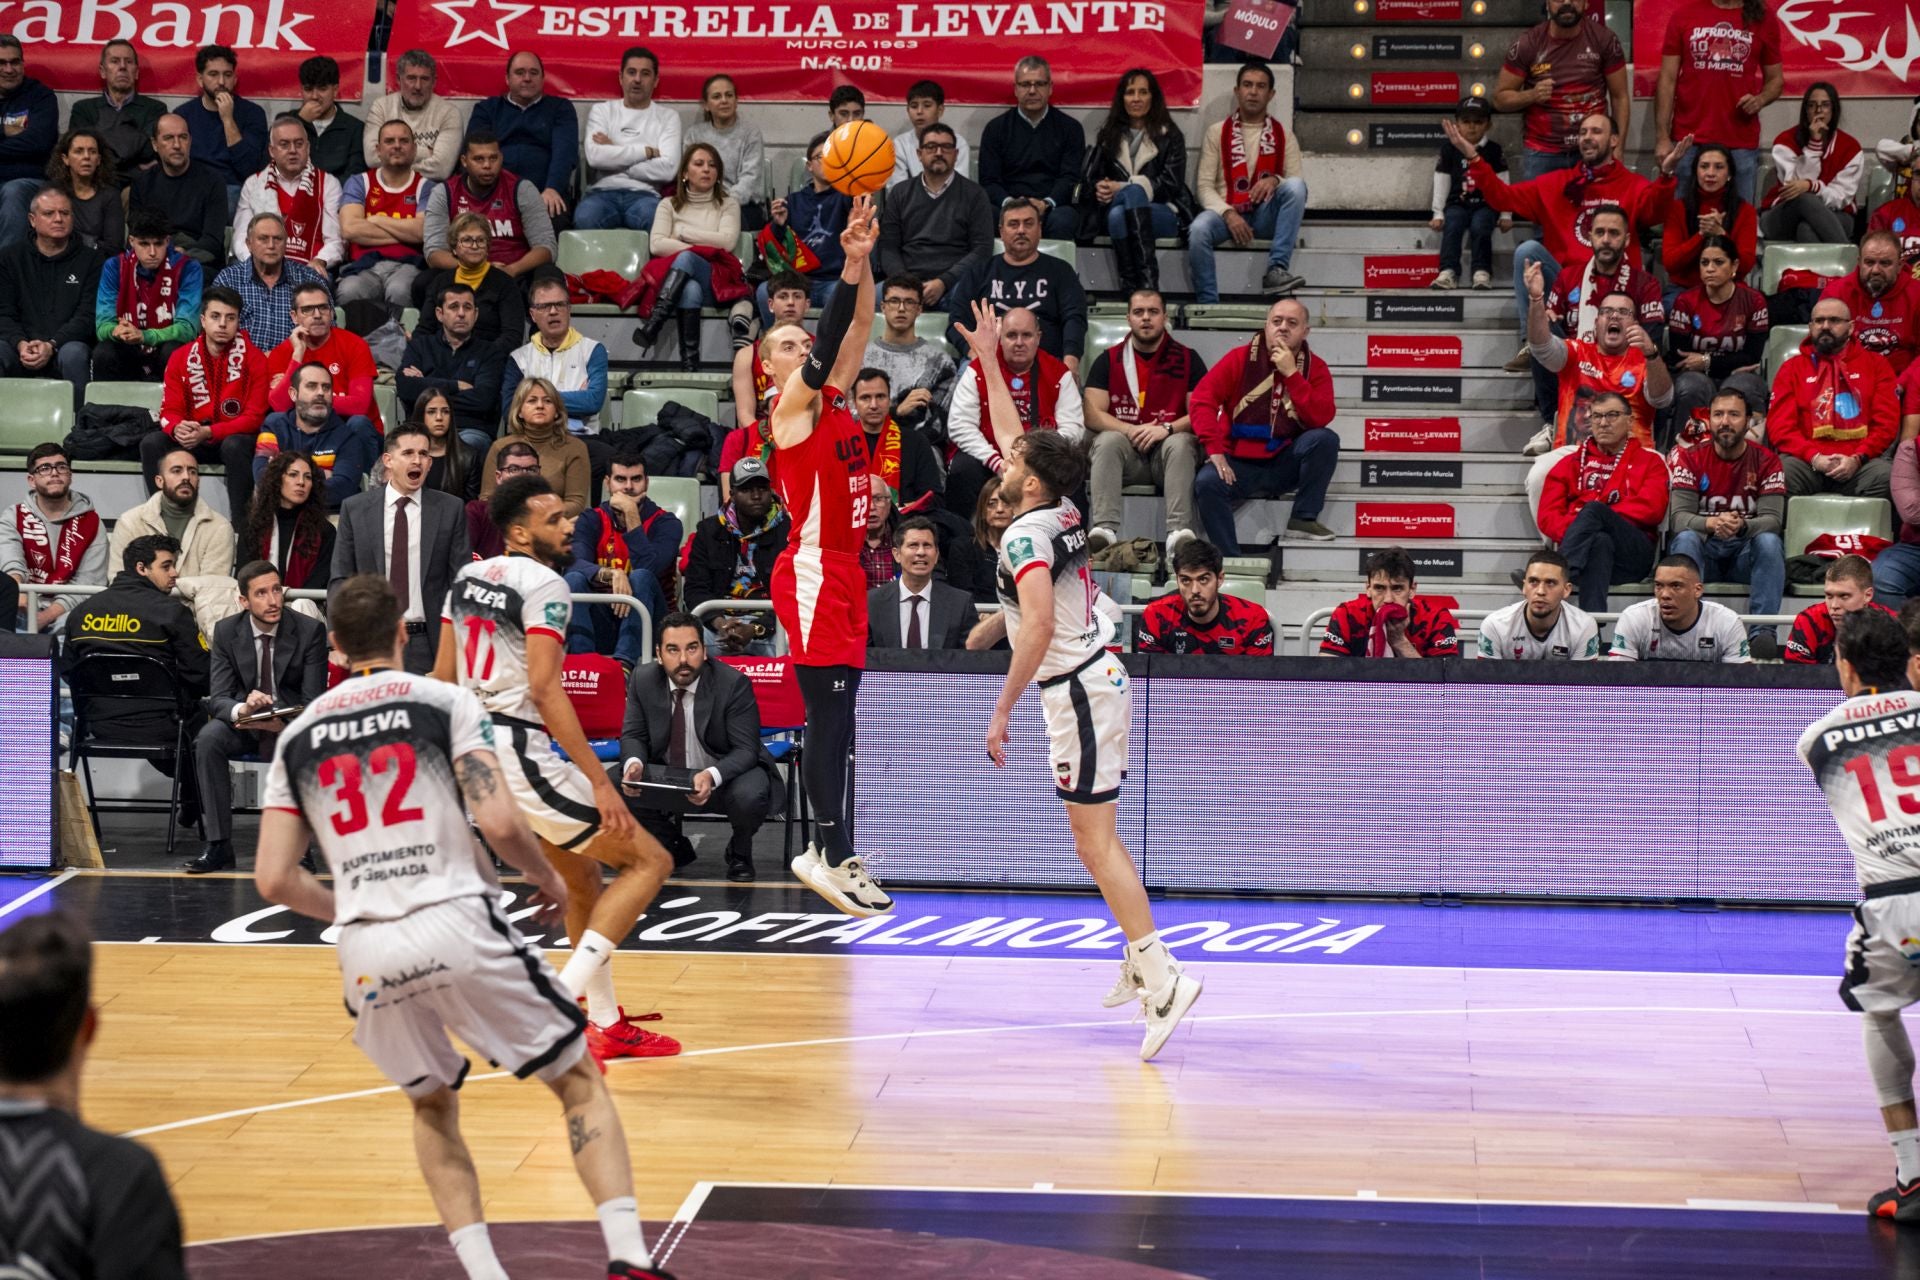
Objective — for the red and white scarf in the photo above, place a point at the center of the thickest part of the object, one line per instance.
(45, 561)
(1240, 171)
(301, 210)
(149, 303)
(1034, 393)
(201, 392)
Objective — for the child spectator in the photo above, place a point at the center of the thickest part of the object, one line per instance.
(1460, 211)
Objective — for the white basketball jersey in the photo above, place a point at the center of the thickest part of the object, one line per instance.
(1866, 755)
(1504, 633)
(369, 766)
(494, 606)
(1053, 539)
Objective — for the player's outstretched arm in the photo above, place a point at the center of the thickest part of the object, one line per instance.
(505, 827)
(1036, 633)
(277, 872)
(544, 656)
(444, 669)
(983, 340)
(792, 419)
(861, 235)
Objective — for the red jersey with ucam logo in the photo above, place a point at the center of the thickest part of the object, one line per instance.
(1590, 371)
(818, 586)
(1888, 325)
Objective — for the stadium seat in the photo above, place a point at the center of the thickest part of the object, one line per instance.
(139, 395)
(409, 319)
(797, 175)
(1226, 315)
(38, 410)
(1811, 515)
(620, 251)
(680, 495)
(1254, 589)
(1782, 341)
(1877, 189)
(717, 384)
(643, 404)
(386, 398)
(1102, 332)
(1829, 260)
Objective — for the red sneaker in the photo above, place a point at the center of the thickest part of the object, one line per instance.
(627, 1271)
(623, 1039)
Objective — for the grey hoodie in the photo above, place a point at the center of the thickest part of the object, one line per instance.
(13, 556)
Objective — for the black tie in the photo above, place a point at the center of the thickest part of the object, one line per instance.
(265, 682)
(677, 734)
(397, 560)
(913, 623)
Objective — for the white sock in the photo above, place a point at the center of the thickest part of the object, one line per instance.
(620, 1224)
(602, 1009)
(1906, 1152)
(590, 953)
(475, 1251)
(1150, 956)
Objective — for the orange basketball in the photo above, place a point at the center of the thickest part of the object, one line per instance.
(858, 159)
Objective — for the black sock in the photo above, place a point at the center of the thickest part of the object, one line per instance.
(826, 765)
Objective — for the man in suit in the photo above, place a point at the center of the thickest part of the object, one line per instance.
(914, 611)
(416, 537)
(687, 713)
(263, 657)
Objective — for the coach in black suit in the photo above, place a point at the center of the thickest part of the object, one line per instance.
(295, 647)
(688, 713)
(414, 537)
(915, 611)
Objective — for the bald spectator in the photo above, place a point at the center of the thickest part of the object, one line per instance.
(48, 285)
(1834, 411)
(189, 193)
(434, 120)
(1883, 298)
(333, 134)
(307, 200)
(1045, 396)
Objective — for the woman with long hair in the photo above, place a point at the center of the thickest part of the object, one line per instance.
(742, 149)
(287, 523)
(1716, 339)
(700, 213)
(452, 469)
(1134, 187)
(82, 167)
(1819, 168)
(538, 418)
(1705, 94)
(1711, 205)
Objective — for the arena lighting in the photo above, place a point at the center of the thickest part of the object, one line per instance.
(1360, 6)
(1355, 137)
(1479, 8)
(1476, 51)
(1478, 89)
(1357, 51)
(1356, 91)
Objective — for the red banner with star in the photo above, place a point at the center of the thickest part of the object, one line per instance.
(62, 40)
(1864, 48)
(802, 51)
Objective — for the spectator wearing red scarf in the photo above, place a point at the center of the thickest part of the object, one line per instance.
(1142, 432)
(1044, 394)
(1251, 186)
(213, 400)
(899, 455)
(1882, 297)
(1818, 167)
(148, 303)
(1263, 415)
(1834, 411)
(306, 200)
(1604, 503)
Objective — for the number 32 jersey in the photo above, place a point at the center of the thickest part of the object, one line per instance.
(369, 766)
(494, 606)
(1866, 755)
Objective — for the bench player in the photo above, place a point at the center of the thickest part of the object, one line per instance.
(382, 770)
(502, 635)
(1866, 755)
(1060, 637)
(819, 588)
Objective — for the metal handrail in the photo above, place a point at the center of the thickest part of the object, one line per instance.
(1470, 620)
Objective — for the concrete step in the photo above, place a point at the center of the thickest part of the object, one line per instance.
(1439, 562)
(1445, 14)
(1435, 474)
(1396, 132)
(1438, 433)
(1376, 348)
(1462, 309)
(1360, 87)
(1402, 235)
(1358, 388)
(1407, 48)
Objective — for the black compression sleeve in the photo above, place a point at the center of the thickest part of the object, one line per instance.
(834, 323)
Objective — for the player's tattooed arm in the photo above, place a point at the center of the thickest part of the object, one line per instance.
(478, 779)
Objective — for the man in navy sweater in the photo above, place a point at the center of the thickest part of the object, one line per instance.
(539, 136)
(229, 133)
(1035, 151)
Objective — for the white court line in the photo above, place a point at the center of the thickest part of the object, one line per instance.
(951, 1032)
(683, 1218)
(40, 892)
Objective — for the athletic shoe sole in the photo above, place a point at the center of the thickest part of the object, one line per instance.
(1186, 991)
(822, 884)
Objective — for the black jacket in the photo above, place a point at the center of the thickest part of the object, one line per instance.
(195, 203)
(48, 299)
(714, 552)
(1043, 160)
(479, 363)
(726, 719)
(339, 151)
(503, 308)
(1167, 171)
(132, 616)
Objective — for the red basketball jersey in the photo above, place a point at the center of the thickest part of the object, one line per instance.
(823, 481)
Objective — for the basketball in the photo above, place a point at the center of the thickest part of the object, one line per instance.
(858, 159)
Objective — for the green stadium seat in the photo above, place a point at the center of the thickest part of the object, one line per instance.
(680, 495)
(1811, 515)
(409, 319)
(1782, 341)
(387, 399)
(1254, 589)
(1102, 332)
(1878, 188)
(1226, 315)
(139, 395)
(718, 383)
(797, 175)
(643, 404)
(1830, 260)
(38, 410)
(619, 251)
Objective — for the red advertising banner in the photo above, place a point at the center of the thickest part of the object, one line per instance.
(1416, 11)
(1403, 519)
(271, 38)
(801, 51)
(1412, 351)
(1412, 435)
(1414, 89)
(1398, 270)
(1864, 48)
(1254, 26)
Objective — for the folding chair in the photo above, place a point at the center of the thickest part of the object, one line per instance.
(102, 679)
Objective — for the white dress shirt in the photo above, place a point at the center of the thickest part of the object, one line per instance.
(416, 609)
(925, 597)
(240, 707)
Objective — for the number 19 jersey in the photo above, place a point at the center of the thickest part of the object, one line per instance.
(369, 766)
(1866, 755)
(494, 606)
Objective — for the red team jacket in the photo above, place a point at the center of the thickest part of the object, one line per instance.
(1637, 489)
(1563, 224)
(1430, 627)
(1805, 421)
(1813, 634)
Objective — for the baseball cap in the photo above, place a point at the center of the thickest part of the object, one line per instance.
(750, 471)
(1472, 106)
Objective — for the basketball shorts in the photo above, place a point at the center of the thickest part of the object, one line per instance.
(1883, 953)
(1088, 713)
(457, 967)
(820, 598)
(556, 796)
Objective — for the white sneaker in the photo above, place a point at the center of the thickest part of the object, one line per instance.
(1099, 540)
(1483, 279)
(1177, 539)
(1126, 988)
(1445, 280)
(1165, 1008)
(1541, 442)
(848, 886)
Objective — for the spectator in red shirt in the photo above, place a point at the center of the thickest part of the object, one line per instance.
(1901, 215)
(1719, 65)
(1390, 619)
(1817, 169)
(1264, 416)
(1708, 206)
(1198, 618)
(315, 340)
(213, 398)
(1728, 507)
(1605, 502)
(1849, 589)
(1573, 300)
(1716, 340)
(1834, 411)
(1884, 300)
(1896, 570)
(1558, 73)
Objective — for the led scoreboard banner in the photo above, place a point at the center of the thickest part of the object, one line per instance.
(29, 724)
